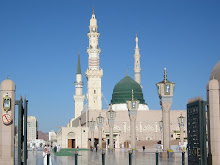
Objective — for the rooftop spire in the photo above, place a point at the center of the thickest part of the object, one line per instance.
(136, 39)
(93, 10)
(78, 65)
(165, 74)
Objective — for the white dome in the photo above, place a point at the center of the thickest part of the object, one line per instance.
(7, 85)
(216, 72)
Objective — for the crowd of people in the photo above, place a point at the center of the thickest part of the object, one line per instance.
(56, 148)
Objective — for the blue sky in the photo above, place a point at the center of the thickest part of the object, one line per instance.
(39, 41)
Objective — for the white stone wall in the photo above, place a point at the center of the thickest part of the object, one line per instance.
(147, 124)
(80, 134)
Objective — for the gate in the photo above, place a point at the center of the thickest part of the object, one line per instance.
(22, 131)
(196, 130)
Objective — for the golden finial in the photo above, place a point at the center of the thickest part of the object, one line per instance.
(136, 34)
(165, 74)
(132, 94)
(93, 10)
(127, 73)
(21, 98)
(79, 52)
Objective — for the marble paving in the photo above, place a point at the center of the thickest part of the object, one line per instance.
(119, 157)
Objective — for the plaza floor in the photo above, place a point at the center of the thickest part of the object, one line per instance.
(119, 157)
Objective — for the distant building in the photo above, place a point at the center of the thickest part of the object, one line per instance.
(52, 137)
(32, 128)
(38, 143)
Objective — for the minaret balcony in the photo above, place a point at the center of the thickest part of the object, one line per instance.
(78, 84)
(137, 69)
(93, 50)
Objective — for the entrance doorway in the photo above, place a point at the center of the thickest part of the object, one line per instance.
(71, 143)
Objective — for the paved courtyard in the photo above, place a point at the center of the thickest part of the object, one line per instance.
(120, 157)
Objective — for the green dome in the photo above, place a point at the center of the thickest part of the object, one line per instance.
(123, 91)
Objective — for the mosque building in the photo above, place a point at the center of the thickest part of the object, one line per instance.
(77, 132)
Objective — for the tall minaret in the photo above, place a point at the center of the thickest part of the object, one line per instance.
(78, 97)
(94, 73)
(137, 65)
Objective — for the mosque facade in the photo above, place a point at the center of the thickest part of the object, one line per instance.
(77, 132)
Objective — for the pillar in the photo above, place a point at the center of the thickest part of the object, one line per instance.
(133, 132)
(214, 120)
(92, 138)
(7, 129)
(111, 126)
(181, 135)
(166, 125)
(100, 138)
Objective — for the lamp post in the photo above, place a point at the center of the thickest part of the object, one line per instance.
(165, 91)
(100, 121)
(111, 119)
(92, 128)
(181, 120)
(132, 112)
(161, 128)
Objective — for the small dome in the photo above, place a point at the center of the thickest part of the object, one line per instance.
(123, 91)
(7, 85)
(216, 72)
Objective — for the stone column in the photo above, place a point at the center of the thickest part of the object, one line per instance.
(181, 135)
(132, 112)
(161, 136)
(166, 125)
(214, 120)
(100, 138)
(92, 138)
(7, 133)
(111, 126)
(133, 132)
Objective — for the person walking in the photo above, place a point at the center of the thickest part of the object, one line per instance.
(143, 148)
(47, 156)
(55, 149)
(91, 149)
(58, 148)
(96, 147)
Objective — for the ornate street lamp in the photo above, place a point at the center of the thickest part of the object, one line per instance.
(133, 105)
(165, 91)
(92, 128)
(111, 119)
(181, 121)
(100, 121)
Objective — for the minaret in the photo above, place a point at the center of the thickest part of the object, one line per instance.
(94, 73)
(137, 65)
(78, 97)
